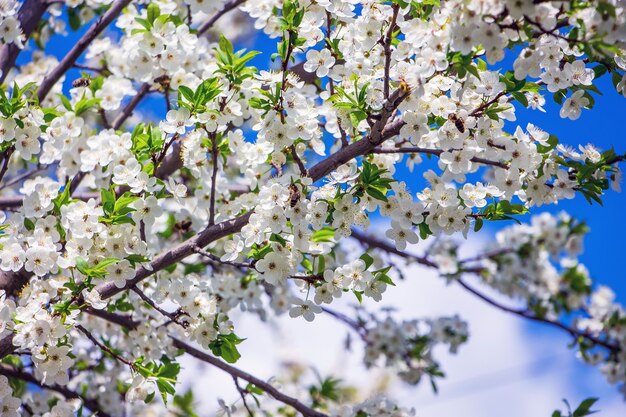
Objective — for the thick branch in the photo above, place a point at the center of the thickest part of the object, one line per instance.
(13, 282)
(380, 132)
(29, 16)
(208, 235)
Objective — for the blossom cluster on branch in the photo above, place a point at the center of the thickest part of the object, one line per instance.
(128, 240)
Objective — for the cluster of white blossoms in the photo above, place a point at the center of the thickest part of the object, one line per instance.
(9, 405)
(537, 263)
(377, 406)
(10, 29)
(168, 183)
(408, 345)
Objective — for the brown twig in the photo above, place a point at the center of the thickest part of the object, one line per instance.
(102, 346)
(227, 8)
(70, 58)
(29, 16)
(235, 372)
(387, 47)
(379, 244)
(437, 152)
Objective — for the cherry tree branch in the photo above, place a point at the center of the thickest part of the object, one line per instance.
(528, 315)
(198, 354)
(29, 16)
(171, 316)
(130, 107)
(379, 133)
(66, 392)
(22, 176)
(6, 157)
(382, 245)
(237, 373)
(70, 58)
(437, 152)
(227, 8)
(102, 346)
(387, 46)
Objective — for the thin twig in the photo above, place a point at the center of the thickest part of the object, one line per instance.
(6, 157)
(217, 259)
(265, 386)
(437, 152)
(102, 346)
(214, 156)
(227, 7)
(172, 316)
(387, 46)
(373, 242)
(242, 393)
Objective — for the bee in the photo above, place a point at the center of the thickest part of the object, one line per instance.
(163, 80)
(294, 195)
(405, 87)
(183, 226)
(458, 122)
(81, 82)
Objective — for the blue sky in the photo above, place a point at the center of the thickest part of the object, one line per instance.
(602, 126)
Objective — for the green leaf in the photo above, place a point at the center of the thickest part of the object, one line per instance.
(66, 102)
(225, 45)
(123, 202)
(73, 18)
(376, 193)
(108, 200)
(165, 387)
(85, 104)
(62, 199)
(553, 141)
(386, 279)
(584, 409)
(278, 238)
(321, 264)
(153, 12)
(478, 224)
(225, 346)
(521, 98)
(367, 259)
(325, 234)
(186, 92)
(424, 231)
(82, 266)
(616, 78)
